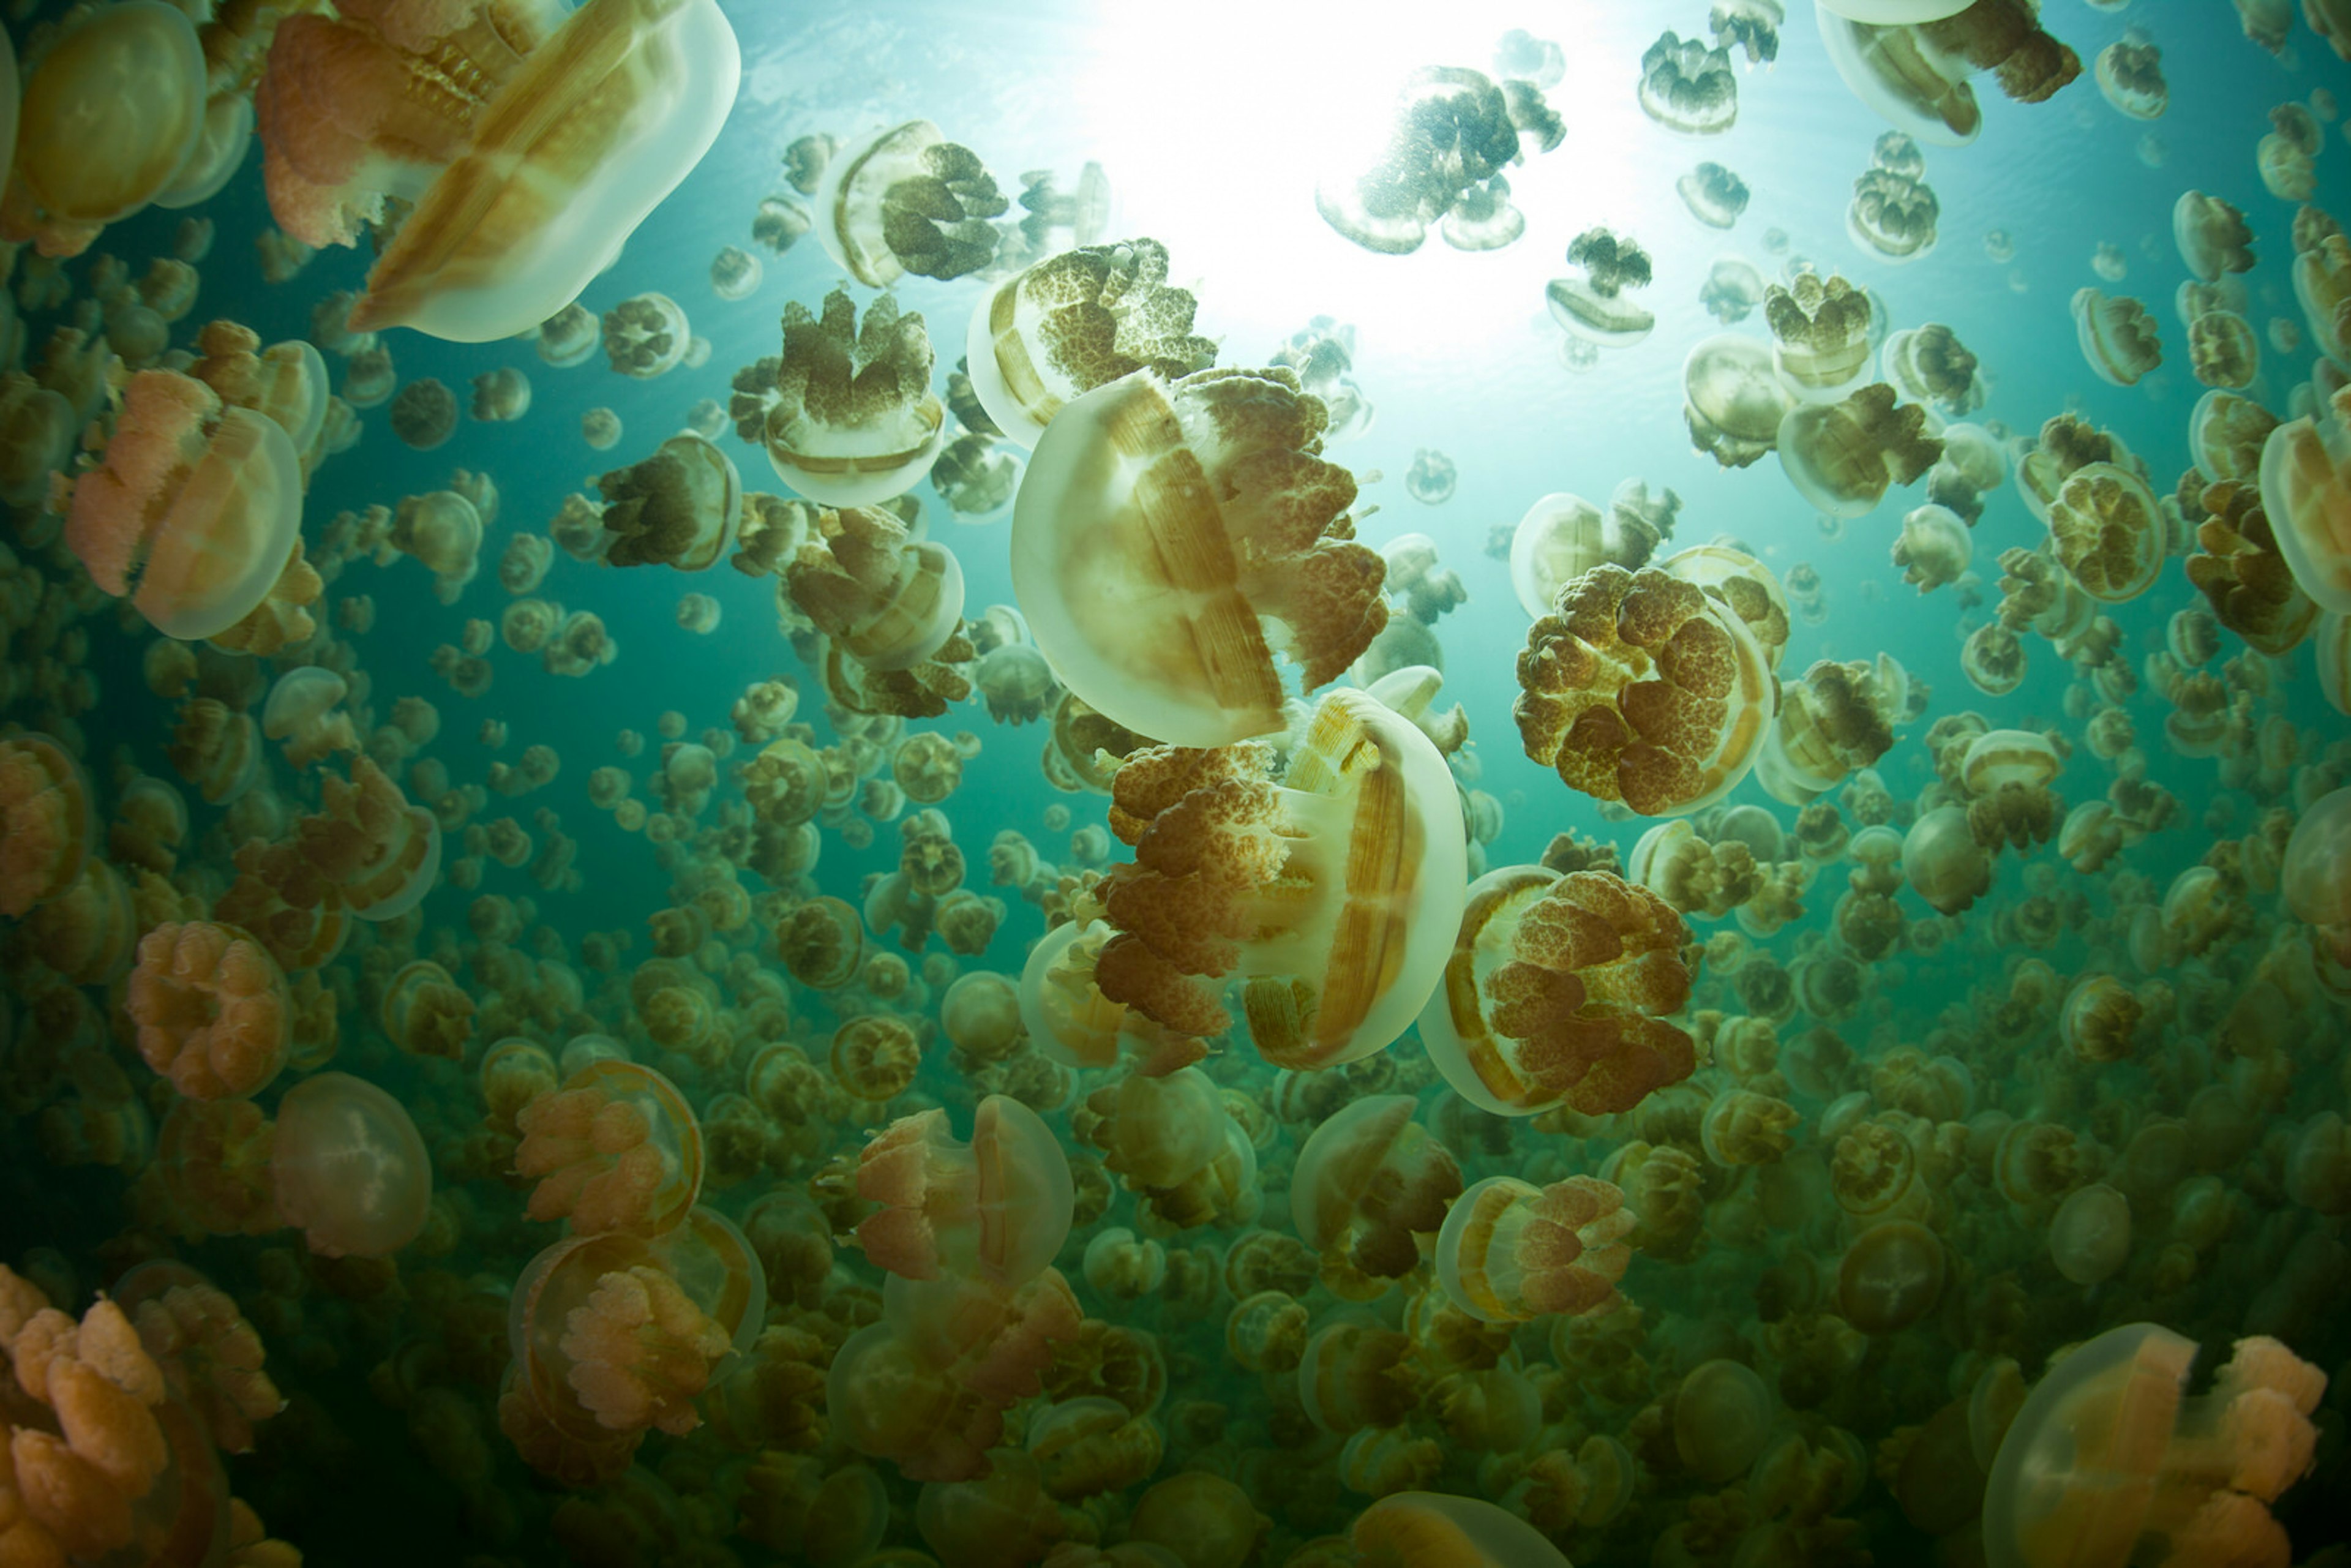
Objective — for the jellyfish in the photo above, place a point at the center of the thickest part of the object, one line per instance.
(2308, 503)
(1935, 547)
(1912, 65)
(1367, 1180)
(780, 223)
(2107, 531)
(1734, 403)
(888, 602)
(111, 114)
(348, 1169)
(1431, 478)
(1452, 132)
(443, 529)
(47, 822)
(423, 414)
(1640, 687)
(735, 273)
(1215, 836)
(1713, 196)
(1557, 990)
(1593, 307)
(2118, 338)
(211, 1007)
(845, 412)
(2106, 1453)
(905, 199)
(976, 477)
(531, 149)
(1929, 365)
(2213, 237)
(678, 508)
(194, 511)
(600, 429)
(1838, 718)
(1732, 291)
(1821, 334)
(1842, 456)
(1942, 860)
(617, 1148)
(1174, 643)
(501, 395)
(995, 1209)
(1688, 88)
(2285, 167)
(1893, 212)
(2223, 351)
(2130, 76)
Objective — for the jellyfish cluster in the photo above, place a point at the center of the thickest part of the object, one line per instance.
(545, 1004)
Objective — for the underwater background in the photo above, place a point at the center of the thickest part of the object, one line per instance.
(1732, 1401)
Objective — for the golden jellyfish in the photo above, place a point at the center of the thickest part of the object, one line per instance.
(1891, 1277)
(1842, 456)
(2322, 284)
(303, 712)
(646, 336)
(1687, 87)
(1368, 1181)
(1558, 989)
(1715, 195)
(875, 1058)
(531, 143)
(1510, 1251)
(995, 1209)
(1934, 549)
(501, 396)
(48, 822)
(905, 199)
(1837, 718)
(2108, 531)
(1732, 291)
(2106, 1455)
(1943, 862)
(2223, 351)
(1893, 212)
(1722, 1415)
(2225, 435)
(1929, 365)
(1641, 687)
(1172, 537)
(1821, 334)
(616, 1148)
(678, 508)
(2213, 236)
(845, 411)
(110, 111)
(1437, 1530)
(194, 511)
(1340, 884)
(2130, 76)
(348, 1169)
(888, 600)
(1562, 537)
(2243, 573)
(1733, 401)
(423, 414)
(1593, 307)
(211, 1007)
(37, 436)
(2118, 338)
(1449, 135)
(2090, 1234)
(2314, 878)
(2285, 167)
(2334, 646)
(2307, 500)
(1076, 322)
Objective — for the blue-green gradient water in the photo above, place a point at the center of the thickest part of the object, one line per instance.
(1212, 123)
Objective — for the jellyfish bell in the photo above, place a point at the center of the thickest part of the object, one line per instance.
(2307, 494)
(904, 180)
(1895, 73)
(1734, 400)
(349, 1168)
(194, 511)
(527, 179)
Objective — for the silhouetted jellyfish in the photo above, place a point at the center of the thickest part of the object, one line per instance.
(1177, 642)
(530, 151)
(2130, 74)
(1732, 399)
(1322, 352)
(1453, 133)
(1688, 88)
(1713, 196)
(1591, 307)
(678, 508)
(424, 414)
(1074, 322)
(1431, 478)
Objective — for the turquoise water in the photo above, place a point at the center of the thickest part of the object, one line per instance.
(1213, 126)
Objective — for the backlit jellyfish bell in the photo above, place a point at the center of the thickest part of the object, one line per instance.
(1163, 603)
(1447, 138)
(1687, 87)
(846, 411)
(194, 510)
(904, 198)
(348, 1169)
(543, 139)
(1842, 457)
(1594, 307)
(1733, 399)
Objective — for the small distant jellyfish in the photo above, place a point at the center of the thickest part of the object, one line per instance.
(806, 159)
(976, 477)
(424, 414)
(1688, 88)
(1752, 24)
(781, 222)
(2152, 149)
(1732, 291)
(698, 613)
(501, 395)
(1593, 307)
(1713, 196)
(707, 418)
(1322, 352)
(369, 377)
(1431, 478)
(599, 428)
(569, 337)
(2284, 334)
(1522, 55)
(1894, 211)
(2107, 262)
(2000, 246)
(735, 273)
(646, 336)
(2130, 75)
